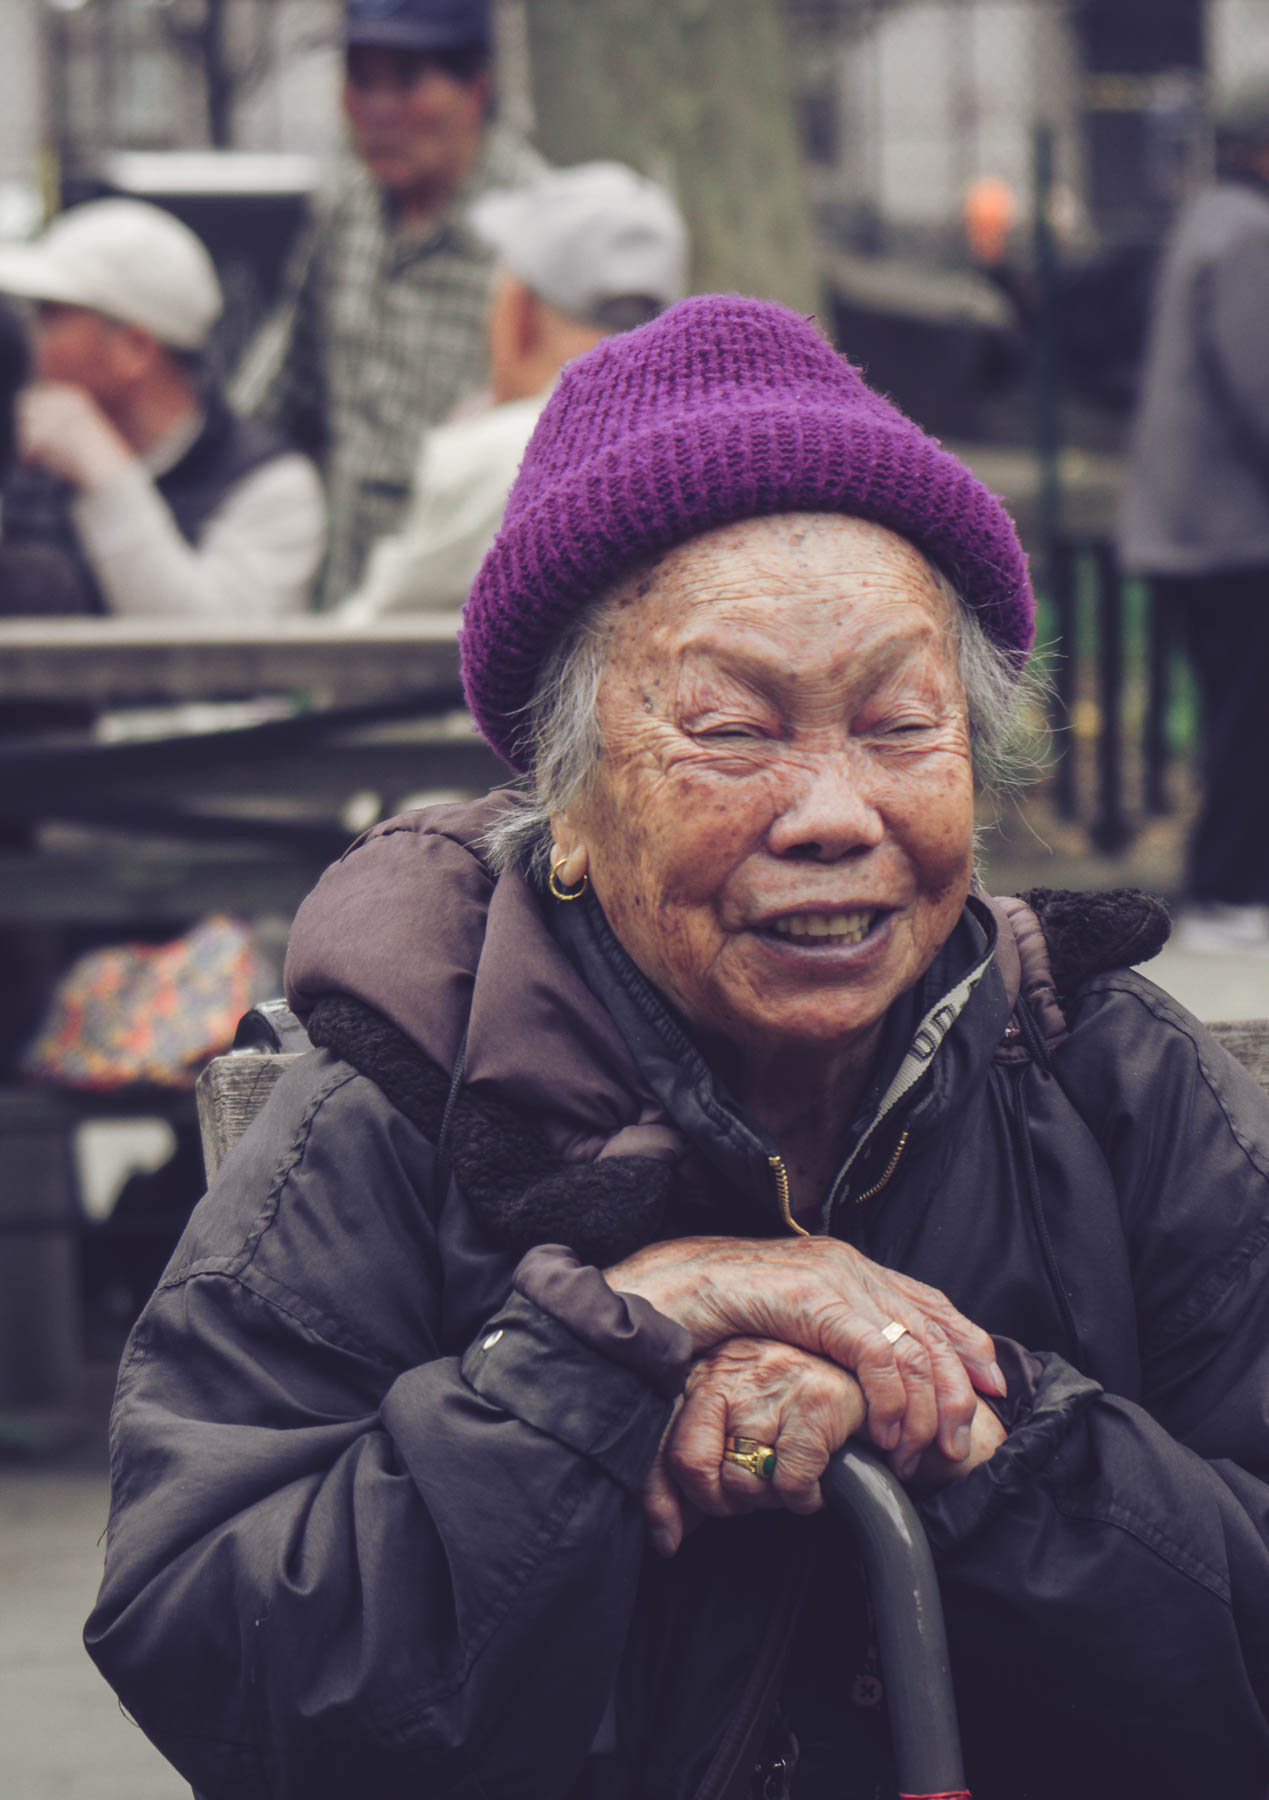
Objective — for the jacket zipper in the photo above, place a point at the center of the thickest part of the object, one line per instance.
(782, 1194)
(782, 1185)
(886, 1173)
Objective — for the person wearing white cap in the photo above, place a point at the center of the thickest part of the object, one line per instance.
(132, 463)
(582, 252)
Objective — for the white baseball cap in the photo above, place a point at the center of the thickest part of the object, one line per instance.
(124, 258)
(588, 237)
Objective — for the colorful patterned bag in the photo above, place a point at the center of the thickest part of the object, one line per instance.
(149, 1013)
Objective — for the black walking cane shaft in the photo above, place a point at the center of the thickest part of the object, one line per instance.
(909, 1615)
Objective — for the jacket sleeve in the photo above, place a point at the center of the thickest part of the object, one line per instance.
(1110, 1564)
(1231, 336)
(461, 481)
(255, 558)
(341, 1560)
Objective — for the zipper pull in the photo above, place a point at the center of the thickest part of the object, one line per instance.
(887, 1172)
(782, 1194)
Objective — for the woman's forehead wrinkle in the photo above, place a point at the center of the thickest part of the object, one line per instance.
(723, 652)
(774, 602)
(707, 678)
(759, 560)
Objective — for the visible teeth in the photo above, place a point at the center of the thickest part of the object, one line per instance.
(846, 928)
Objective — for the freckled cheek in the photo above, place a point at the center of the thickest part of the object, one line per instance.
(941, 829)
(712, 826)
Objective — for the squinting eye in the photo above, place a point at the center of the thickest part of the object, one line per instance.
(722, 733)
(903, 728)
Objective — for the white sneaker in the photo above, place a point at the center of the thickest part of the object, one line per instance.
(1215, 927)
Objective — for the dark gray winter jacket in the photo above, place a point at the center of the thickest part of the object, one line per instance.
(1196, 490)
(376, 1459)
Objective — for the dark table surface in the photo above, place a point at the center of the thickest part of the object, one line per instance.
(215, 766)
(111, 662)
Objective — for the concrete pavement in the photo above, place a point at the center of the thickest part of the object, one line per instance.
(1022, 845)
(1213, 987)
(63, 1735)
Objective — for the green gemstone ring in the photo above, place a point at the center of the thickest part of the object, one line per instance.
(748, 1454)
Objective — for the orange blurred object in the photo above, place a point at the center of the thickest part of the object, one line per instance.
(989, 212)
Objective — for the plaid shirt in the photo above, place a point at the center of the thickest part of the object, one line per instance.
(377, 336)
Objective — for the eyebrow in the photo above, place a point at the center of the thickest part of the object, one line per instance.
(885, 652)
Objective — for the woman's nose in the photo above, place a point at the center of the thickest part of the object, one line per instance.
(830, 810)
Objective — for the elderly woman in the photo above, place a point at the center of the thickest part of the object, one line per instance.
(674, 1120)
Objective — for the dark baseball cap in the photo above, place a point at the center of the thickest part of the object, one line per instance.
(425, 25)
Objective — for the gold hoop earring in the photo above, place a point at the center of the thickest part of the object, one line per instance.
(563, 893)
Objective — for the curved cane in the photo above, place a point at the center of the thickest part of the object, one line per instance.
(909, 1614)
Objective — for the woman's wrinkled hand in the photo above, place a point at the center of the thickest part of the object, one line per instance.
(801, 1405)
(822, 1296)
(934, 1470)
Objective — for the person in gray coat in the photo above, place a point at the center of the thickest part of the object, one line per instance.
(1195, 515)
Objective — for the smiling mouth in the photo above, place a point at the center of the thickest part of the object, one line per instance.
(836, 928)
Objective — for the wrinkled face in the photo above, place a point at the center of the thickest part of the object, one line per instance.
(415, 126)
(780, 827)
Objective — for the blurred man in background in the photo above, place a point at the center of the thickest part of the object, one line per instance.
(382, 325)
(133, 466)
(1195, 514)
(582, 252)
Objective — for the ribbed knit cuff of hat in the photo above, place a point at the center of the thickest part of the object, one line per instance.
(723, 408)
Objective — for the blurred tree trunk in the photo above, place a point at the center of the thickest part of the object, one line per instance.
(229, 46)
(695, 93)
(219, 73)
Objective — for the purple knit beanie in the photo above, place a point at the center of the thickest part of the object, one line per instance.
(723, 408)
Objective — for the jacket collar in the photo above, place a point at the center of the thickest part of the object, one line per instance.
(940, 1035)
(560, 1024)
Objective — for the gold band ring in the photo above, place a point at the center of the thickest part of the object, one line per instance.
(747, 1453)
(894, 1331)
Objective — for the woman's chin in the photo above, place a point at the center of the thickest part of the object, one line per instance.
(818, 992)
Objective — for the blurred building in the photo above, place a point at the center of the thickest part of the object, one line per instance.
(904, 103)
(223, 110)
(908, 101)
(176, 74)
